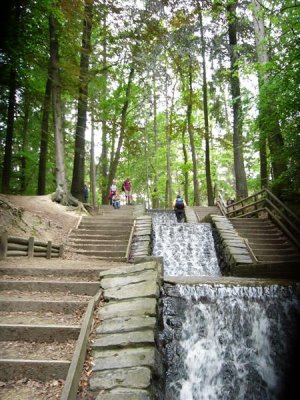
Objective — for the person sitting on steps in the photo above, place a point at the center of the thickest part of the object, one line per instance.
(179, 206)
(116, 200)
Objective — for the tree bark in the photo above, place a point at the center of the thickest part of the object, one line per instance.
(7, 161)
(185, 159)
(115, 161)
(192, 141)
(23, 182)
(210, 195)
(93, 185)
(44, 139)
(270, 131)
(155, 199)
(238, 155)
(104, 153)
(79, 158)
(61, 194)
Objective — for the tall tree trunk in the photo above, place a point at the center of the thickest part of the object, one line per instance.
(238, 155)
(79, 158)
(210, 195)
(104, 153)
(24, 143)
(93, 185)
(115, 161)
(269, 125)
(155, 199)
(191, 136)
(44, 139)
(7, 161)
(185, 159)
(61, 194)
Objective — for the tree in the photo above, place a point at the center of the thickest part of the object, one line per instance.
(238, 156)
(79, 157)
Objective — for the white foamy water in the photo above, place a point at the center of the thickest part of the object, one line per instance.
(187, 249)
(234, 342)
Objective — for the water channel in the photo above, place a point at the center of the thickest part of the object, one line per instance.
(221, 342)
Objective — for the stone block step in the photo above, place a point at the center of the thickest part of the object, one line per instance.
(278, 258)
(110, 225)
(99, 246)
(263, 245)
(71, 273)
(113, 254)
(107, 219)
(264, 236)
(124, 339)
(45, 306)
(103, 231)
(138, 377)
(275, 252)
(42, 370)
(250, 221)
(38, 333)
(81, 288)
(96, 236)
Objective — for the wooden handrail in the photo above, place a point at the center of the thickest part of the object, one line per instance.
(269, 203)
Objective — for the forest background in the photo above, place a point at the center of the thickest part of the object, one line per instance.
(191, 96)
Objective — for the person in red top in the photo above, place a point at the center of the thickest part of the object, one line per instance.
(127, 189)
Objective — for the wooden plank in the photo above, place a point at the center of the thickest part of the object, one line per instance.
(3, 245)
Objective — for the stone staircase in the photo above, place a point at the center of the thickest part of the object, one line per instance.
(104, 236)
(267, 242)
(204, 212)
(42, 309)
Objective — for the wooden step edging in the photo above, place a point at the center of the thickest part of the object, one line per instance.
(75, 370)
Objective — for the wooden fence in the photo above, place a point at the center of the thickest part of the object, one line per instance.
(18, 247)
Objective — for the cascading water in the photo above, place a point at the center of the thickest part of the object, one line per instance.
(187, 249)
(220, 342)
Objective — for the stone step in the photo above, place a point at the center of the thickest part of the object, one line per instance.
(38, 333)
(44, 273)
(274, 251)
(278, 258)
(258, 229)
(42, 318)
(250, 221)
(105, 225)
(96, 236)
(80, 288)
(265, 236)
(23, 305)
(104, 232)
(99, 247)
(113, 254)
(106, 219)
(112, 242)
(42, 370)
(263, 245)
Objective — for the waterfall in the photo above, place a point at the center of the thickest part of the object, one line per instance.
(187, 249)
(230, 343)
(220, 342)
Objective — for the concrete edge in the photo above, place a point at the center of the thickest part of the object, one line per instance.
(75, 370)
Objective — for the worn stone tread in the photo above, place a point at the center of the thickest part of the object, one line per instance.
(136, 378)
(124, 358)
(143, 306)
(126, 324)
(141, 289)
(108, 283)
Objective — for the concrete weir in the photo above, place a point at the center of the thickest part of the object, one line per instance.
(124, 349)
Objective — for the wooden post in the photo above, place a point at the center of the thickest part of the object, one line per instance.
(61, 250)
(49, 247)
(31, 247)
(3, 245)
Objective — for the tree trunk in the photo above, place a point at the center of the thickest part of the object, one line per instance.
(93, 185)
(210, 195)
(191, 136)
(238, 155)
(115, 161)
(269, 125)
(79, 158)
(104, 153)
(44, 139)
(61, 195)
(185, 159)
(7, 161)
(23, 182)
(155, 199)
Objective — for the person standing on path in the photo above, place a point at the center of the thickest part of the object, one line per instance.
(127, 189)
(179, 206)
(112, 190)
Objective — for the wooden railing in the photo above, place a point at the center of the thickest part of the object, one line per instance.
(18, 247)
(264, 203)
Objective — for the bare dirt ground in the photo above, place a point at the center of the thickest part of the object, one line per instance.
(37, 216)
